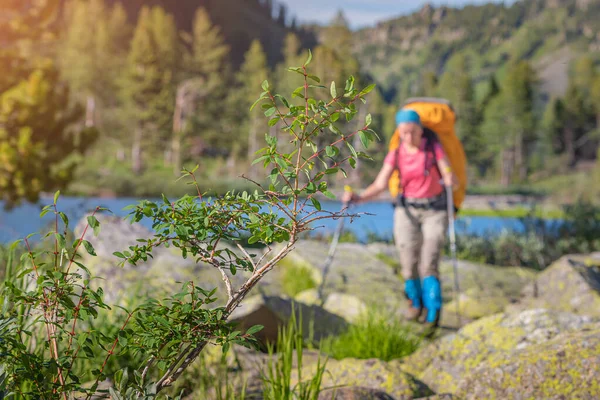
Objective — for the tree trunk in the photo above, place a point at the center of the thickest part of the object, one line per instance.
(252, 144)
(120, 154)
(178, 126)
(136, 150)
(520, 163)
(507, 161)
(569, 136)
(90, 111)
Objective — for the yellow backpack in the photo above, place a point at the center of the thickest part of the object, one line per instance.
(437, 115)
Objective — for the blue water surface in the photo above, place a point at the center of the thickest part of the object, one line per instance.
(25, 219)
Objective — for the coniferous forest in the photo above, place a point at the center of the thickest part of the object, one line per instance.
(146, 88)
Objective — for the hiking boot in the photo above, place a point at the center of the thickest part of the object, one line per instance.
(412, 313)
(412, 290)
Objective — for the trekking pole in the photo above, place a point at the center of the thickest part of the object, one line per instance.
(450, 201)
(334, 243)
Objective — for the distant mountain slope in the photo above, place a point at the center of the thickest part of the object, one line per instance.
(549, 33)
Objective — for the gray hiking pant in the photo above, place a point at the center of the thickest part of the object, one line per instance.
(419, 235)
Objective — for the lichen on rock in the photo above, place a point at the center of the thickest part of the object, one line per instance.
(445, 362)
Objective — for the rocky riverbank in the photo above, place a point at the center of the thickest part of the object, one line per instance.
(522, 334)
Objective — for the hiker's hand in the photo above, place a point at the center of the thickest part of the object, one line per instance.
(450, 180)
(350, 197)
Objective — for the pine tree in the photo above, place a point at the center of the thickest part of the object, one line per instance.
(252, 73)
(201, 95)
(286, 81)
(595, 97)
(456, 85)
(339, 38)
(150, 81)
(429, 84)
(92, 52)
(583, 74)
(552, 125)
(509, 122)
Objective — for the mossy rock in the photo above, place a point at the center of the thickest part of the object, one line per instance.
(345, 305)
(387, 377)
(445, 362)
(473, 305)
(354, 270)
(484, 289)
(354, 393)
(562, 368)
(570, 284)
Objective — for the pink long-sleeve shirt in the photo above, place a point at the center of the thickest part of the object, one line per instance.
(416, 183)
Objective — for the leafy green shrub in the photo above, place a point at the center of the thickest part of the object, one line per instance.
(374, 335)
(48, 344)
(541, 243)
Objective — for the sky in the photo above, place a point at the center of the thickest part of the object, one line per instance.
(361, 13)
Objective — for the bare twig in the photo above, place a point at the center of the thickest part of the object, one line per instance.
(227, 283)
(247, 256)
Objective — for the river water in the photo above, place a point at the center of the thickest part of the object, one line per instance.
(23, 220)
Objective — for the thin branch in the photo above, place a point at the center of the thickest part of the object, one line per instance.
(227, 283)
(264, 255)
(147, 367)
(247, 256)
(110, 352)
(166, 380)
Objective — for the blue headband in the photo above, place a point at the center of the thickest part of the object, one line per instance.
(403, 116)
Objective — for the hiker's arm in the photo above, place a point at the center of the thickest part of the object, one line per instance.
(374, 189)
(448, 176)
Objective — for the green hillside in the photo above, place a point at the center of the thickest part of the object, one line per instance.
(548, 33)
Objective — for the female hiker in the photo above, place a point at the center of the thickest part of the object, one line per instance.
(420, 218)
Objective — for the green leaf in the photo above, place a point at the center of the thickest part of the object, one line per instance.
(89, 248)
(64, 218)
(333, 90)
(298, 92)
(265, 85)
(316, 203)
(256, 102)
(314, 78)
(369, 119)
(122, 341)
(62, 242)
(270, 111)
(330, 171)
(328, 194)
(56, 196)
(309, 58)
(233, 335)
(368, 89)
(352, 162)
(114, 395)
(273, 121)
(94, 224)
(254, 329)
(352, 150)
(363, 139)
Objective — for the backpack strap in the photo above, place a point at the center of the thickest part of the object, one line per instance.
(430, 140)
